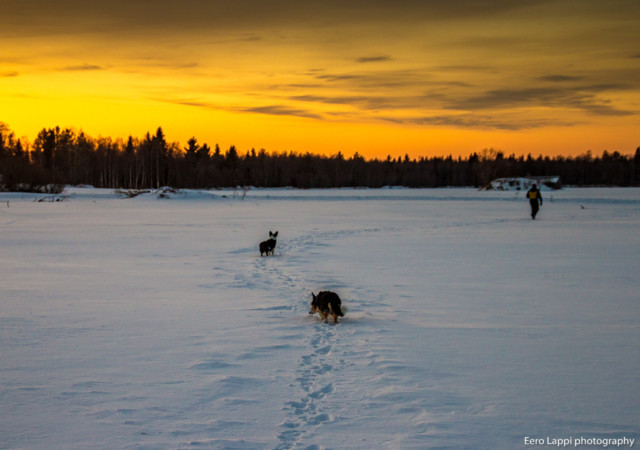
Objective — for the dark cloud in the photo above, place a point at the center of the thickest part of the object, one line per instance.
(334, 77)
(295, 87)
(592, 106)
(273, 110)
(582, 99)
(164, 63)
(280, 110)
(367, 102)
(369, 92)
(465, 68)
(337, 100)
(602, 87)
(560, 78)
(506, 98)
(372, 59)
(382, 79)
(69, 16)
(81, 68)
(195, 103)
(481, 122)
(8, 74)
(363, 102)
(373, 104)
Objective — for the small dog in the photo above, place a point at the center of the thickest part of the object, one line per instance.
(326, 303)
(267, 246)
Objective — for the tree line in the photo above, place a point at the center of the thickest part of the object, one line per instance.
(60, 157)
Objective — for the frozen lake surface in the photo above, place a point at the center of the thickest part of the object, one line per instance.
(154, 323)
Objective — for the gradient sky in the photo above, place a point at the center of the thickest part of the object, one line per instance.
(422, 77)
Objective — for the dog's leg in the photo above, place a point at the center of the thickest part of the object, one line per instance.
(333, 314)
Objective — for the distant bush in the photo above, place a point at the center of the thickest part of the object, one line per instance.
(130, 193)
(34, 188)
(51, 199)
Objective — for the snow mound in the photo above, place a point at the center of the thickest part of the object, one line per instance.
(523, 183)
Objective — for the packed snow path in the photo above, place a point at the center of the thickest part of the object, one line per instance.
(154, 323)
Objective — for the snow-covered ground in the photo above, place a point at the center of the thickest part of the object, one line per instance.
(154, 323)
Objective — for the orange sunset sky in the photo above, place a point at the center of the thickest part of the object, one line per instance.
(417, 77)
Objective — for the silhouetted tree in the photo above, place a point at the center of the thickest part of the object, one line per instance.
(63, 156)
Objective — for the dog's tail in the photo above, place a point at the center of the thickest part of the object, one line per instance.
(343, 310)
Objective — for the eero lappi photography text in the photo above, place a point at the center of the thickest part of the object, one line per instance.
(579, 441)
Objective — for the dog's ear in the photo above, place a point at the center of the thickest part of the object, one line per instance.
(313, 296)
(275, 234)
(270, 233)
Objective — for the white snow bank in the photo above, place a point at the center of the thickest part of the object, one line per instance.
(524, 183)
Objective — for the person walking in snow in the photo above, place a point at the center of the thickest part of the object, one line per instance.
(535, 200)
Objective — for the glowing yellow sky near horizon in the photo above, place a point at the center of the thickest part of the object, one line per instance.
(549, 78)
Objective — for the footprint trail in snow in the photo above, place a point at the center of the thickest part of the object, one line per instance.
(314, 390)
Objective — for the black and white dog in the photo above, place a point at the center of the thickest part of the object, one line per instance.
(267, 246)
(326, 304)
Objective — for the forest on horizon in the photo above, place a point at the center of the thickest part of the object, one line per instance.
(66, 157)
